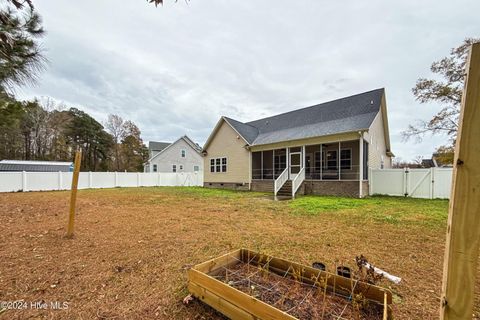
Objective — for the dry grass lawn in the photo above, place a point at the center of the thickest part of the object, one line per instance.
(132, 247)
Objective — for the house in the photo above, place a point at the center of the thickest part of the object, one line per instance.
(442, 160)
(155, 147)
(35, 166)
(325, 149)
(183, 155)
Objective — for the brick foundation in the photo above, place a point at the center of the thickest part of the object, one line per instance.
(334, 188)
(262, 185)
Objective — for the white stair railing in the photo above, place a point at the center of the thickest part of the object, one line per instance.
(280, 181)
(297, 181)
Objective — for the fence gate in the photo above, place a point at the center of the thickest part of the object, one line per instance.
(416, 183)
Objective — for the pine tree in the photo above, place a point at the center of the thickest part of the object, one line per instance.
(21, 57)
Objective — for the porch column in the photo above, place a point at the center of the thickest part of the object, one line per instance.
(338, 160)
(261, 165)
(288, 162)
(360, 166)
(321, 161)
(250, 170)
(303, 156)
(273, 166)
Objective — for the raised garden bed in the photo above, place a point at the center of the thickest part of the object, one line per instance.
(245, 284)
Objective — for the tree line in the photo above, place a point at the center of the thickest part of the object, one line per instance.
(34, 130)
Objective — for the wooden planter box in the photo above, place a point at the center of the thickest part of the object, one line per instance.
(236, 304)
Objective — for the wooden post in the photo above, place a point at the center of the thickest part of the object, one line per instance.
(463, 230)
(73, 194)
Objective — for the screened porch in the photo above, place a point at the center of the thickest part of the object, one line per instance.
(329, 161)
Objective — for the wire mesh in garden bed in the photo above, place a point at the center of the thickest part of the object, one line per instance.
(287, 289)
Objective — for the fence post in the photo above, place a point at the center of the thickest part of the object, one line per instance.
(405, 182)
(89, 179)
(115, 183)
(159, 181)
(59, 180)
(463, 238)
(432, 184)
(73, 194)
(138, 179)
(24, 181)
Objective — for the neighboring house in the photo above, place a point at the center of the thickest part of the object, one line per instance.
(155, 147)
(428, 163)
(324, 149)
(435, 162)
(183, 155)
(35, 166)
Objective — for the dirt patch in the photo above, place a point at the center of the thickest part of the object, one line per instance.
(132, 247)
(298, 299)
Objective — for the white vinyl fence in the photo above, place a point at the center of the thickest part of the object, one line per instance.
(43, 181)
(429, 183)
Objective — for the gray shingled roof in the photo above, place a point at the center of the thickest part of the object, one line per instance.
(157, 146)
(248, 132)
(35, 166)
(348, 114)
(194, 145)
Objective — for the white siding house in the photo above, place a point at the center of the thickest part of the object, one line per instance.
(183, 155)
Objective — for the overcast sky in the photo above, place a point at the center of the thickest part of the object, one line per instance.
(176, 69)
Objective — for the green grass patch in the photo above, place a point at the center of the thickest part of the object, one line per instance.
(379, 209)
(200, 192)
(318, 204)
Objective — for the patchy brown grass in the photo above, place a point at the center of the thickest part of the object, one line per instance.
(132, 246)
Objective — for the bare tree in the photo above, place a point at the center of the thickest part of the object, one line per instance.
(447, 92)
(115, 125)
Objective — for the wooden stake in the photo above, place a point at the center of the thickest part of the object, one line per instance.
(73, 194)
(463, 230)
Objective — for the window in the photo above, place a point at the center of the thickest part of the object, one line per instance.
(174, 168)
(181, 167)
(196, 168)
(346, 159)
(218, 165)
(184, 153)
(154, 168)
(224, 164)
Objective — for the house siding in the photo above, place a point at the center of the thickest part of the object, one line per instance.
(172, 155)
(377, 145)
(227, 143)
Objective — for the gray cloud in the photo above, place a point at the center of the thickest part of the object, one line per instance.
(177, 69)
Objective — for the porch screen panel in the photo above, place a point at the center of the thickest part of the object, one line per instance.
(267, 164)
(365, 160)
(330, 162)
(313, 161)
(280, 161)
(256, 165)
